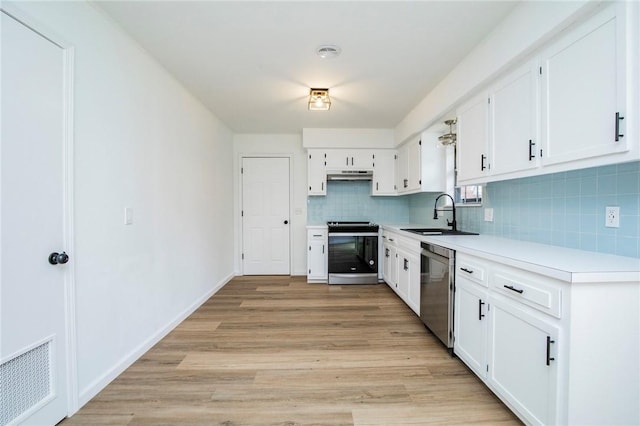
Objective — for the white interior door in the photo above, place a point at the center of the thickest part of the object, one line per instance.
(33, 343)
(265, 216)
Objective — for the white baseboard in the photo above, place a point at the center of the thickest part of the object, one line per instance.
(100, 383)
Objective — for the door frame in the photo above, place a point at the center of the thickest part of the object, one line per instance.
(240, 240)
(68, 52)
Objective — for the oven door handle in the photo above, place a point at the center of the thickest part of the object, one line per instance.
(353, 234)
(435, 256)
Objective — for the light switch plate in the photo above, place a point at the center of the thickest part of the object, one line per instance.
(128, 216)
(488, 215)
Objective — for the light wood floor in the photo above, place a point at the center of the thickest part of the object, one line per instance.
(279, 351)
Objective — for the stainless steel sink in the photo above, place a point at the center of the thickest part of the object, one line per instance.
(437, 231)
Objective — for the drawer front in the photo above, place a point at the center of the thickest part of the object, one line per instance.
(528, 288)
(472, 269)
(317, 234)
(390, 238)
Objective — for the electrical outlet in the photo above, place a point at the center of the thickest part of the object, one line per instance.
(612, 217)
(488, 215)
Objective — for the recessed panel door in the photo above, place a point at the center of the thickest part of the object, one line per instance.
(265, 216)
(33, 356)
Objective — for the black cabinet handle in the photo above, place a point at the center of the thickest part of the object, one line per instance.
(323, 249)
(482, 158)
(531, 154)
(286, 222)
(512, 288)
(347, 161)
(549, 342)
(376, 186)
(322, 186)
(480, 315)
(390, 239)
(386, 252)
(406, 182)
(618, 118)
(406, 265)
(468, 271)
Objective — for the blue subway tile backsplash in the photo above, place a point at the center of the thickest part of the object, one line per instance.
(563, 209)
(352, 201)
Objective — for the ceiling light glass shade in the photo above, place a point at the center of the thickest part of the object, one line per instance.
(319, 100)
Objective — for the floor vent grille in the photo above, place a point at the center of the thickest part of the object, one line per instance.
(24, 381)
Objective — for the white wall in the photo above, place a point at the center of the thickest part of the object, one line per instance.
(141, 141)
(347, 138)
(529, 25)
(273, 145)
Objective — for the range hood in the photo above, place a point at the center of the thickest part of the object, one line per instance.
(349, 175)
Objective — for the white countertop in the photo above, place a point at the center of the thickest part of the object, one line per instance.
(574, 266)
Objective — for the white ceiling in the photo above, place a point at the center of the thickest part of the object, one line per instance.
(252, 63)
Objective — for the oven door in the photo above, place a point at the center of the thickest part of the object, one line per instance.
(353, 258)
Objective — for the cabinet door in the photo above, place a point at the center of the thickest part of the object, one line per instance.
(472, 140)
(338, 159)
(414, 156)
(514, 120)
(317, 256)
(391, 266)
(402, 170)
(522, 366)
(402, 285)
(317, 173)
(583, 89)
(361, 159)
(384, 172)
(471, 319)
(413, 291)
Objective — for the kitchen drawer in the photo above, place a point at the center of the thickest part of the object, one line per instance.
(390, 238)
(472, 269)
(317, 234)
(528, 288)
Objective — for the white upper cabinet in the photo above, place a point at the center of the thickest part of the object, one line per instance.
(513, 130)
(316, 172)
(346, 159)
(583, 90)
(421, 165)
(473, 140)
(409, 159)
(384, 172)
(569, 107)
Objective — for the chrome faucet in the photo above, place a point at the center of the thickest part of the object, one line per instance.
(452, 224)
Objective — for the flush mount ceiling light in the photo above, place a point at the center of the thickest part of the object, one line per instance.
(328, 51)
(319, 100)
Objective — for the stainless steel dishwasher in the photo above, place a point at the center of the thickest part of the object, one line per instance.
(437, 266)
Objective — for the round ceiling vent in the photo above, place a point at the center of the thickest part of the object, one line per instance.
(328, 51)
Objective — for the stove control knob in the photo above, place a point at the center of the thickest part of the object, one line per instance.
(371, 262)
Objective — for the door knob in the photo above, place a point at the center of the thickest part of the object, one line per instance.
(286, 222)
(61, 258)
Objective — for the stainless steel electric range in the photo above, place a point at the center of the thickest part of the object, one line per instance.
(353, 252)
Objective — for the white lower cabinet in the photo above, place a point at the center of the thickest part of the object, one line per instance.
(409, 278)
(401, 267)
(471, 320)
(317, 239)
(554, 351)
(509, 342)
(522, 366)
